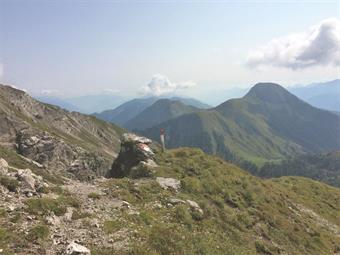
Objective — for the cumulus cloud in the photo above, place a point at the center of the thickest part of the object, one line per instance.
(160, 85)
(318, 46)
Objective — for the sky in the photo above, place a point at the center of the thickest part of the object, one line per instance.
(195, 48)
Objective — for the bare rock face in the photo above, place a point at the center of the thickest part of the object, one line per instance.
(135, 159)
(76, 249)
(53, 153)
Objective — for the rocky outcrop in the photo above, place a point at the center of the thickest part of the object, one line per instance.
(21, 180)
(135, 159)
(53, 153)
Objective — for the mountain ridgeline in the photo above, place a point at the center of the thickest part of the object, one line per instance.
(162, 110)
(131, 109)
(267, 124)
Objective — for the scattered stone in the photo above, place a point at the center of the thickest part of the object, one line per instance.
(176, 201)
(76, 249)
(68, 214)
(10, 208)
(194, 206)
(53, 220)
(169, 183)
(3, 166)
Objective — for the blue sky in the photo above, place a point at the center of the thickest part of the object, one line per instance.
(81, 47)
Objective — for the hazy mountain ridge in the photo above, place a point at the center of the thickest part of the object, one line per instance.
(129, 110)
(324, 95)
(160, 111)
(84, 104)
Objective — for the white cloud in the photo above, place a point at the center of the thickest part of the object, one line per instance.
(50, 92)
(160, 85)
(319, 46)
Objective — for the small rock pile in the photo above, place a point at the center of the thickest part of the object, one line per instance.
(28, 183)
(135, 159)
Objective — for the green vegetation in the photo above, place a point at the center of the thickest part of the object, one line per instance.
(43, 206)
(111, 226)
(10, 183)
(94, 195)
(321, 167)
(38, 233)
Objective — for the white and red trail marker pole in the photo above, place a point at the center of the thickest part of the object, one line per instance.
(162, 134)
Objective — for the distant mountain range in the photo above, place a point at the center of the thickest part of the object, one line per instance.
(325, 95)
(268, 123)
(126, 112)
(162, 110)
(85, 104)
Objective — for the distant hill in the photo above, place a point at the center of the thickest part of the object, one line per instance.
(322, 95)
(128, 110)
(84, 104)
(268, 123)
(323, 167)
(162, 110)
(58, 102)
(95, 103)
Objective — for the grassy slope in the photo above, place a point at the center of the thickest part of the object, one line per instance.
(242, 214)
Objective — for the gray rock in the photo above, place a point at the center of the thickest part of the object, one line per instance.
(27, 179)
(3, 166)
(135, 159)
(176, 201)
(76, 249)
(169, 183)
(194, 206)
(53, 220)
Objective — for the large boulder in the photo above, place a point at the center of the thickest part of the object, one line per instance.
(3, 166)
(135, 159)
